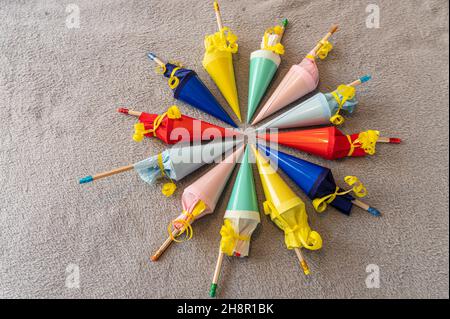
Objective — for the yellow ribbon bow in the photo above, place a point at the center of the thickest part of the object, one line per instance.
(230, 238)
(324, 49)
(366, 140)
(139, 128)
(347, 92)
(186, 229)
(168, 188)
(310, 239)
(277, 48)
(224, 40)
(321, 204)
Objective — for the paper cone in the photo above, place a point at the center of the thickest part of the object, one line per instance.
(184, 129)
(327, 142)
(263, 66)
(286, 209)
(301, 79)
(194, 92)
(242, 210)
(312, 112)
(181, 160)
(209, 187)
(319, 141)
(315, 181)
(219, 65)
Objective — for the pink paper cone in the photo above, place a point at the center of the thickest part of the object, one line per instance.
(301, 79)
(209, 187)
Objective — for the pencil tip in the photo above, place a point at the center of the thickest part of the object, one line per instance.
(86, 179)
(375, 212)
(394, 140)
(366, 78)
(212, 290)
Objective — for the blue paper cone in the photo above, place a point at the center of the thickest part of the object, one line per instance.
(195, 93)
(315, 181)
(187, 87)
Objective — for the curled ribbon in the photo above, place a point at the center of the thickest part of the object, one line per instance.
(160, 69)
(168, 188)
(359, 189)
(312, 242)
(366, 140)
(186, 223)
(173, 80)
(321, 204)
(224, 40)
(230, 238)
(277, 48)
(139, 128)
(324, 49)
(347, 93)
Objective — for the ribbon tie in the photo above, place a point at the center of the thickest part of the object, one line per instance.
(347, 93)
(173, 80)
(186, 229)
(168, 188)
(366, 140)
(230, 238)
(139, 128)
(278, 48)
(224, 40)
(324, 49)
(321, 204)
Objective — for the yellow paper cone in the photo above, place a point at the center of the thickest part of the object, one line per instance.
(285, 208)
(219, 65)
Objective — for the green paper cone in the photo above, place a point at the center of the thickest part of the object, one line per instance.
(263, 66)
(243, 197)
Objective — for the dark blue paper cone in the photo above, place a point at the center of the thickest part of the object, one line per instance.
(194, 92)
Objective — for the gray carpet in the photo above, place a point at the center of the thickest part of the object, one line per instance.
(59, 89)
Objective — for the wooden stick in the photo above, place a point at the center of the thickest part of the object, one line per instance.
(129, 112)
(333, 29)
(213, 288)
(154, 58)
(375, 212)
(164, 246)
(391, 140)
(218, 16)
(302, 261)
(119, 170)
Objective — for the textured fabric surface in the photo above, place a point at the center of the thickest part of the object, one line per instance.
(59, 89)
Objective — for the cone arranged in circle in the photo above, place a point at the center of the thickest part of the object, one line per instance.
(315, 180)
(263, 66)
(285, 208)
(218, 62)
(329, 142)
(187, 87)
(241, 217)
(210, 186)
(301, 79)
(174, 163)
(173, 127)
(242, 211)
(320, 109)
